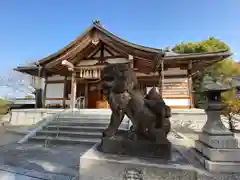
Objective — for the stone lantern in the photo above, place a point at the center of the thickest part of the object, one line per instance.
(217, 149)
(213, 91)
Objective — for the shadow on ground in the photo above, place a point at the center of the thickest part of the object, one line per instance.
(55, 159)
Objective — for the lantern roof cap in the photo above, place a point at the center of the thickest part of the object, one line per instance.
(236, 81)
(216, 85)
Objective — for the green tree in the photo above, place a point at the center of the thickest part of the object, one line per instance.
(3, 106)
(224, 69)
(29, 97)
(210, 45)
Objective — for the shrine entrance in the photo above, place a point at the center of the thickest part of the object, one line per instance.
(89, 95)
(94, 94)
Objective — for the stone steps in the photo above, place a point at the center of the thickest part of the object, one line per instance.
(55, 133)
(82, 117)
(74, 127)
(77, 128)
(91, 123)
(64, 140)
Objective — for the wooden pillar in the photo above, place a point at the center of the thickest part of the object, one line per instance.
(161, 78)
(65, 92)
(160, 82)
(45, 90)
(190, 89)
(73, 90)
(86, 95)
(162, 74)
(130, 58)
(38, 90)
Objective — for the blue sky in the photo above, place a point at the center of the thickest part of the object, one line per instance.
(31, 29)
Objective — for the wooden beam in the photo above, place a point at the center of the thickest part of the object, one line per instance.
(101, 59)
(157, 62)
(115, 48)
(118, 52)
(190, 88)
(102, 51)
(82, 54)
(156, 78)
(130, 58)
(161, 78)
(55, 81)
(162, 75)
(71, 53)
(110, 52)
(200, 66)
(104, 58)
(95, 51)
(126, 49)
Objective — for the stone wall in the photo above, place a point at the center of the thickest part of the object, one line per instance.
(19, 117)
(188, 119)
(193, 119)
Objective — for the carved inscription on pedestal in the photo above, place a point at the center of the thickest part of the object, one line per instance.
(133, 174)
(219, 141)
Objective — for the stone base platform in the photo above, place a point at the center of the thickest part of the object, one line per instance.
(218, 160)
(95, 165)
(123, 145)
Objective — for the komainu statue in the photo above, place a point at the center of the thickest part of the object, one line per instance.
(149, 115)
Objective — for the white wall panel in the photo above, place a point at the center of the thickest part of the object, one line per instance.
(56, 78)
(117, 60)
(55, 90)
(54, 102)
(177, 102)
(175, 71)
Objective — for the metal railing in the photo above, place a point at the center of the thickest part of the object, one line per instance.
(56, 118)
(80, 102)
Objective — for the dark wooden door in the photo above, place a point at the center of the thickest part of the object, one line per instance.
(94, 95)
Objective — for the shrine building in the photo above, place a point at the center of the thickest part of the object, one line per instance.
(72, 76)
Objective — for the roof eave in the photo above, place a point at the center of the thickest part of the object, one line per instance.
(66, 48)
(140, 47)
(27, 70)
(225, 54)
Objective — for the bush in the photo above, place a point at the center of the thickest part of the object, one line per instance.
(3, 106)
(231, 108)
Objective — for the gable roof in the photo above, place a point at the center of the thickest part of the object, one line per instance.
(97, 26)
(145, 58)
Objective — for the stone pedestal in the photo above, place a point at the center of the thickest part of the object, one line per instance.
(95, 165)
(217, 149)
(123, 145)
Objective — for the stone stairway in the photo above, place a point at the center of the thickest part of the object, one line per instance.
(75, 127)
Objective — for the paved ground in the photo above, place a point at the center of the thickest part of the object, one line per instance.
(7, 137)
(33, 161)
(61, 161)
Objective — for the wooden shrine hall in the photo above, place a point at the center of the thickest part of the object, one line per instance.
(72, 76)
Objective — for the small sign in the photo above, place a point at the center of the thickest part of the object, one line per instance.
(133, 174)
